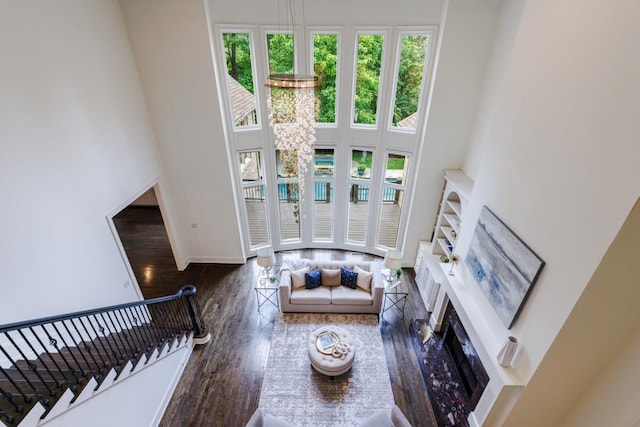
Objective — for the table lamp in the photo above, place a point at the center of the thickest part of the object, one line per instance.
(393, 261)
(266, 259)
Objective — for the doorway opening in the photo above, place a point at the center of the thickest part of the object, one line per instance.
(146, 244)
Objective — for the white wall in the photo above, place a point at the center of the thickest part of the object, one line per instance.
(506, 31)
(559, 166)
(76, 143)
(467, 40)
(613, 398)
(327, 12)
(592, 340)
(170, 42)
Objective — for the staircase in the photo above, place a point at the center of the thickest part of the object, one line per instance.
(51, 364)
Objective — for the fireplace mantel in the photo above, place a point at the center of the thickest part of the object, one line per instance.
(505, 384)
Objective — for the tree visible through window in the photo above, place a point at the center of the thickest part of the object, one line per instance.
(409, 79)
(325, 64)
(368, 78)
(237, 50)
(238, 55)
(280, 51)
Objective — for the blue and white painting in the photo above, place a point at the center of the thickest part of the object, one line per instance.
(504, 267)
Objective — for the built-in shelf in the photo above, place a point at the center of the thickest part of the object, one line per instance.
(449, 223)
(444, 248)
(456, 207)
(447, 231)
(453, 221)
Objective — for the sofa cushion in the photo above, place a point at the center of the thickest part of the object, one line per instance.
(330, 277)
(260, 419)
(348, 278)
(398, 419)
(364, 279)
(297, 277)
(342, 295)
(383, 418)
(318, 296)
(313, 279)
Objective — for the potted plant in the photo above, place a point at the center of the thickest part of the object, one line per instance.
(453, 260)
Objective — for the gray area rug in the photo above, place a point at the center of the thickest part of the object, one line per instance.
(297, 393)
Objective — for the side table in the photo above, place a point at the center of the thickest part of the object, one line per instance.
(395, 295)
(267, 290)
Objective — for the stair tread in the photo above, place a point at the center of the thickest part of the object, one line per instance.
(54, 372)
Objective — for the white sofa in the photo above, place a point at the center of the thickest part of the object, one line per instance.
(382, 418)
(330, 299)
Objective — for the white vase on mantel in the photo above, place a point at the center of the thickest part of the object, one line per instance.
(508, 350)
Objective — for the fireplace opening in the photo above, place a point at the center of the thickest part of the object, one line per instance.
(453, 371)
(461, 363)
(462, 358)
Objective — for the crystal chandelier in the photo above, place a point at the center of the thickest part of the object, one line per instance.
(292, 109)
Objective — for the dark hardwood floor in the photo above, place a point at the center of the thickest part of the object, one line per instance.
(222, 381)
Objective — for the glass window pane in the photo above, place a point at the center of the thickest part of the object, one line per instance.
(289, 211)
(396, 170)
(325, 65)
(392, 201)
(287, 163)
(358, 212)
(361, 161)
(323, 210)
(256, 214)
(237, 49)
(250, 166)
(323, 162)
(368, 78)
(409, 80)
(280, 51)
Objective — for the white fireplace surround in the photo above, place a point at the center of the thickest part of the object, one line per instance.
(505, 385)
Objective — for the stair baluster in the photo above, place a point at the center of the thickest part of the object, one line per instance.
(42, 358)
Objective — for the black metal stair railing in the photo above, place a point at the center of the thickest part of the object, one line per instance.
(40, 359)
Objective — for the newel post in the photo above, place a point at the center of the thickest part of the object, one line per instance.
(201, 333)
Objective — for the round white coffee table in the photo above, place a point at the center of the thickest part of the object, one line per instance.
(331, 359)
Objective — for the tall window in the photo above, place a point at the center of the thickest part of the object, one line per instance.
(352, 195)
(250, 164)
(325, 67)
(368, 68)
(409, 76)
(323, 191)
(240, 81)
(393, 189)
(281, 60)
(358, 220)
(288, 195)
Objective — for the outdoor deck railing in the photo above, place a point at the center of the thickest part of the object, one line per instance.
(322, 193)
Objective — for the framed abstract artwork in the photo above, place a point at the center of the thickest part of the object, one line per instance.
(504, 267)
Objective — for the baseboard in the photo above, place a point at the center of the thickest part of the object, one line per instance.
(216, 260)
(172, 387)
